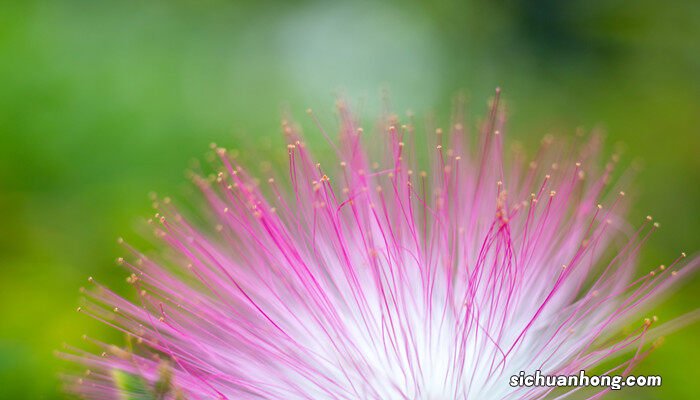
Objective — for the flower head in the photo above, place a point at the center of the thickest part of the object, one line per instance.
(376, 279)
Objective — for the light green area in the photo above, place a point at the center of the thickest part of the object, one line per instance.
(104, 101)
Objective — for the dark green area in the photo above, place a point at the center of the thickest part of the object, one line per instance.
(104, 101)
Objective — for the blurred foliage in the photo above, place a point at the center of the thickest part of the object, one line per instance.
(104, 101)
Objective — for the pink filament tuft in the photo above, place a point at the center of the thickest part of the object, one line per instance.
(384, 282)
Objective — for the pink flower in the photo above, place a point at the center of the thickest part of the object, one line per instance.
(374, 279)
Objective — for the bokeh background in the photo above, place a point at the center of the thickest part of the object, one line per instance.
(104, 101)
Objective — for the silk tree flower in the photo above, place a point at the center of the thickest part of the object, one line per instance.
(374, 279)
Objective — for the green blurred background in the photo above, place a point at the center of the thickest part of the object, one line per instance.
(104, 101)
